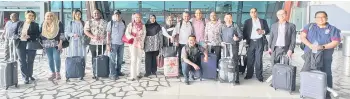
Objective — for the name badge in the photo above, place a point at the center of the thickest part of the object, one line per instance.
(327, 31)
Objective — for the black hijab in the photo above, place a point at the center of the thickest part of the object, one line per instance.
(152, 28)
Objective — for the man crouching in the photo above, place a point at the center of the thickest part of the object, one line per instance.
(191, 58)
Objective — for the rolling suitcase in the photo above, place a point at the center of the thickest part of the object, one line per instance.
(171, 67)
(313, 84)
(170, 61)
(75, 67)
(100, 65)
(227, 66)
(9, 70)
(209, 69)
(283, 76)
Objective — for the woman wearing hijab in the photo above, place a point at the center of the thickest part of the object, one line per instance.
(153, 43)
(75, 31)
(51, 31)
(27, 31)
(137, 31)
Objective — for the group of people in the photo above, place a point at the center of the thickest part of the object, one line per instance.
(151, 37)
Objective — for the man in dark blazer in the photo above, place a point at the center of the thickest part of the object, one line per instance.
(254, 32)
(282, 38)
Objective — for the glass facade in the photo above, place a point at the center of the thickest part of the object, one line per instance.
(160, 9)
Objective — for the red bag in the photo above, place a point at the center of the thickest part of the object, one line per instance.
(128, 41)
(160, 61)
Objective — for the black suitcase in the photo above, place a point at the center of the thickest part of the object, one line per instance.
(9, 70)
(75, 67)
(100, 65)
(284, 76)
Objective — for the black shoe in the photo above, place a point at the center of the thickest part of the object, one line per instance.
(237, 82)
(247, 78)
(26, 82)
(146, 75)
(139, 77)
(261, 80)
(271, 85)
(187, 82)
(121, 74)
(32, 78)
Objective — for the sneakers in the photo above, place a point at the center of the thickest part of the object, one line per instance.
(53, 76)
(58, 76)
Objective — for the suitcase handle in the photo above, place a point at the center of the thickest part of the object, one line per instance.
(13, 51)
(225, 50)
(282, 59)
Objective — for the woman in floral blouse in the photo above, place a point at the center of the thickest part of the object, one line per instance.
(137, 31)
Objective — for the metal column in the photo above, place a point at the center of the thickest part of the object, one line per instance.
(239, 13)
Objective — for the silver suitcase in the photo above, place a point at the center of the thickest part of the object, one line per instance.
(9, 70)
(227, 67)
(313, 84)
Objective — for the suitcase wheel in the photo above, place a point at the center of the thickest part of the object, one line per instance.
(221, 81)
(16, 85)
(7, 87)
(67, 80)
(97, 78)
(82, 78)
(275, 88)
(94, 77)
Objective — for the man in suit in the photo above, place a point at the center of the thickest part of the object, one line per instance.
(282, 38)
(254, 32)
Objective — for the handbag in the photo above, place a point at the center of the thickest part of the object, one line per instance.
(34, 45)
(128, 40)
(160, 61)
(65, 42)
(169, 51)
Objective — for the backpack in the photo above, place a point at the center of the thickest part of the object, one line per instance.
(112, 24)
(181, 24)
(302, 45)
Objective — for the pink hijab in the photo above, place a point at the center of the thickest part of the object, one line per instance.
(136, 25)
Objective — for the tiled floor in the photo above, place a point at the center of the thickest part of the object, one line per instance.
(161, 88)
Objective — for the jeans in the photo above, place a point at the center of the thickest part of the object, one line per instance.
(116, 59)
(26, 59)
(54, 59)
(186, 69)
(179, 49)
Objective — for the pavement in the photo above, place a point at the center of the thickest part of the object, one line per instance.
(161, 87)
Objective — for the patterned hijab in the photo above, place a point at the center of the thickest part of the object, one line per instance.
(50, 29)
